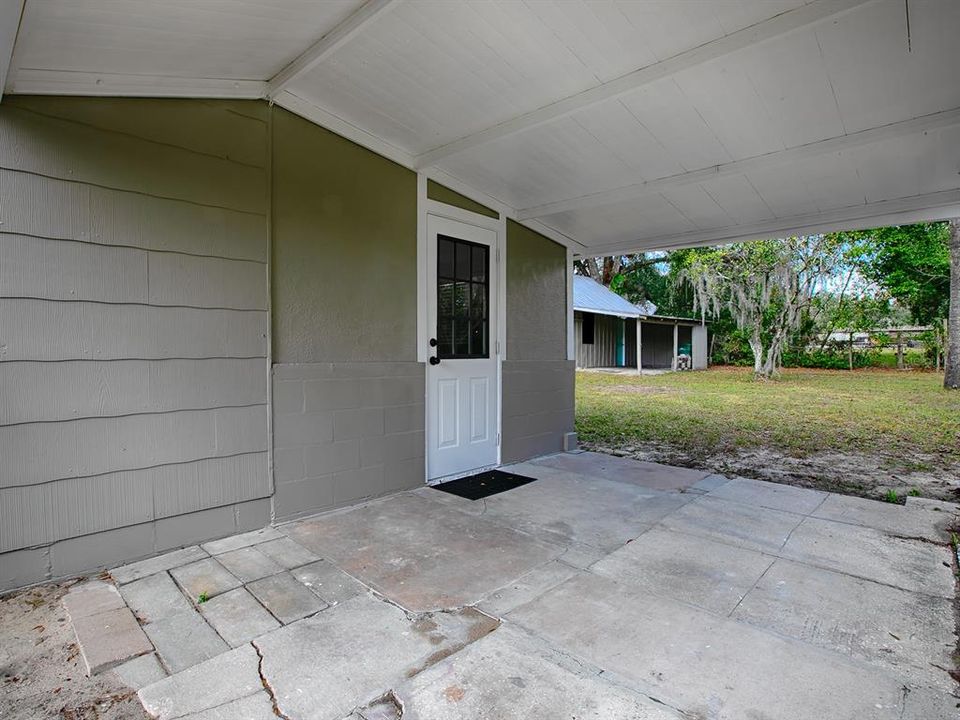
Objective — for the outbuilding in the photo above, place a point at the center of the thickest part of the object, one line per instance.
(612, 332)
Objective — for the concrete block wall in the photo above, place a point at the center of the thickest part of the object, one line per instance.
(343, 432)
(538, 407)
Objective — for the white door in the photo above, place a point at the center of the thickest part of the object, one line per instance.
(463, 395)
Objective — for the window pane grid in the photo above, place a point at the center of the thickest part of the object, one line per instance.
(463, 299)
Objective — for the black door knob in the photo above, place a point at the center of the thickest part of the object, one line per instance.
(434, 360)
(433, 342)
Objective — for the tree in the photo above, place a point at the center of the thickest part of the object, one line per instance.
(910, 262)
(951, 377)
(767, 285)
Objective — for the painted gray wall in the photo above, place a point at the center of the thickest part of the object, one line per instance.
(700, 347)
(538, 381)
(344, 432)
(348, 393)
(134, 314)
(344, 249)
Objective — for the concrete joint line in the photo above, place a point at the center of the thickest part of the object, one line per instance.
(266, 683)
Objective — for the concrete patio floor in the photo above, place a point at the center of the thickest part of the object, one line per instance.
(609, 588)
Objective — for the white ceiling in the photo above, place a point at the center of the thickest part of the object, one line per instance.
(613, 125)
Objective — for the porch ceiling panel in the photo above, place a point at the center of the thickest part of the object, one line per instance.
(616, 123)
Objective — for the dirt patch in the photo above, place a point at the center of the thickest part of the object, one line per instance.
(867, 475)
(41, 671)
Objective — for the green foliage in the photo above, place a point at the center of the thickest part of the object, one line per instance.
(202, 598)
(891, 497)
(910, 262)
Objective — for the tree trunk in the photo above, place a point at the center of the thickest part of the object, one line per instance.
(757, 347)
(899, 351)
(951, 376)
(850, 349)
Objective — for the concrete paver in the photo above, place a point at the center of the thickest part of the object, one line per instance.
(910, 521)
(871, 554)
(328, 581)
(770, 495)
(286, 553)
(908, 633)
(154, 598)
(285, 597)
(235, 542)
(205, 578)
(218, 681)
(252, 707)
(141, 671)
(151, 566)
(749, 526)
(184, 640)
(698, 571)
(91, 598)
(237, 617)
(109, 638)
(419, 555)
(249, 564)
(708, 665)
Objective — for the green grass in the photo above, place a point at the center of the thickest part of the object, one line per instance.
(892, 413)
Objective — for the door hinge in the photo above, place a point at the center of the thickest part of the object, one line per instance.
(498, 254)
(498, 439)
(498, 347)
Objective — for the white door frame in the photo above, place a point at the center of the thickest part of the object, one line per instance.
(425, 207)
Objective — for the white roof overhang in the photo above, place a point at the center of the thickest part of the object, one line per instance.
(610, 125)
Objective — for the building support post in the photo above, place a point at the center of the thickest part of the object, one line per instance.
(676, 344)
(639, 349)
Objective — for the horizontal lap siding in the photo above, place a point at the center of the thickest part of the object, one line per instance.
(134, 318)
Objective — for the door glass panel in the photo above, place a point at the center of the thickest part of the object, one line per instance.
(463, 299)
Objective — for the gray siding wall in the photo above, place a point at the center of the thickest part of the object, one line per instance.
(345, 431)
(134, 320)
(603, 352)
(348, 392)
(656, 345)
(538, 381)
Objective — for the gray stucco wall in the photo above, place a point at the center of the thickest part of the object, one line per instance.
(134, 315)
(348, 419)
(538, 381)
(344, 249)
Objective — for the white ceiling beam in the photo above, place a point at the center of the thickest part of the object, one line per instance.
(777, 26)
(918, 208)
(780, 158)
(329, 44)
(10, 13)
(68, 82)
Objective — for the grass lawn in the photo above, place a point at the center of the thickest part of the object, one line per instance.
(902, 422)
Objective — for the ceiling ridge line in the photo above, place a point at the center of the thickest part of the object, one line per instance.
(763, 31)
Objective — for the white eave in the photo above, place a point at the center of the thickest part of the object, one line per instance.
(610, 126)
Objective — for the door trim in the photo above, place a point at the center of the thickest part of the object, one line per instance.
(425, 207)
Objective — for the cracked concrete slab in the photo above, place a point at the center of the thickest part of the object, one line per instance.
(252, 707)
(509, 674)
(710, 666)
(420, 555)
(109, 638)
(748, 526)
(708, 574)
(770, 495)
(286, 553)
(901, 520)
(649, 475)
(141, 671)
(911, 634)
(214, 683)
(563, 508)
(868, 553)
(526, 588)
(235, 542)
(327, 665)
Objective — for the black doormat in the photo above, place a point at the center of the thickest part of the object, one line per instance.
(483, 484)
